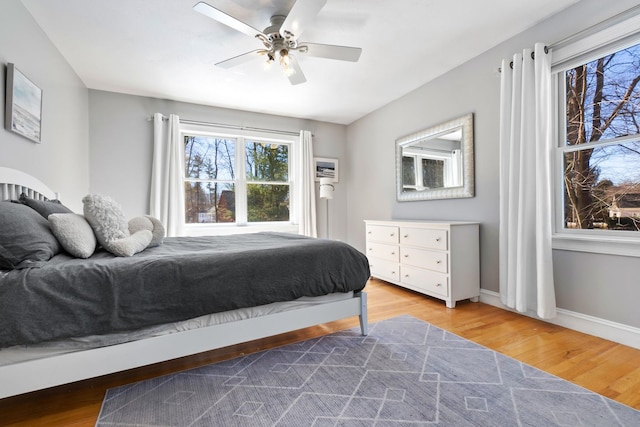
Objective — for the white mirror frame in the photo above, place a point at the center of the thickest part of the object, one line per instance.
(468, 186)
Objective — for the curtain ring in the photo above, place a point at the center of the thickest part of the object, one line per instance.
(533, 54)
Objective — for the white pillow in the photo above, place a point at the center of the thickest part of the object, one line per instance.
(110, 227)
(131, 245)
(105, 217)
(74, 234)
(150, 223)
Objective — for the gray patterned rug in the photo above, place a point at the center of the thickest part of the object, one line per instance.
(406, 373)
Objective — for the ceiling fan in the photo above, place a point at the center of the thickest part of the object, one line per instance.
(280, 39)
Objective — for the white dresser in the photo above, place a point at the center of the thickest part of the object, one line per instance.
(436, 258)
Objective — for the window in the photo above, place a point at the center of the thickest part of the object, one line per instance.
(433, 170)
(237, 180)
(267, 176)
(599, 146)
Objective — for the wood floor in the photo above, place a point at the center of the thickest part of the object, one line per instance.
(602, 366)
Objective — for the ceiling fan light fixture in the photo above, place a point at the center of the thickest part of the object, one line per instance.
(289, 71)
(269, 62)
(285, 61)
(284, 58)
(280, 38)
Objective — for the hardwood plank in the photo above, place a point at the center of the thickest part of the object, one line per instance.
(602, 366)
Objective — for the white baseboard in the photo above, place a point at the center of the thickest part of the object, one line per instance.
(602, 328)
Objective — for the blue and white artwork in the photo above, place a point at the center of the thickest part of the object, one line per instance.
(24, 112)
(326, 168)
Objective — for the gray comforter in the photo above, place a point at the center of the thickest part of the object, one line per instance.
(184, 278)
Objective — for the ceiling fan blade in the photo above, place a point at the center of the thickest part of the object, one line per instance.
(340, 53)
(297, 76)
(225, 19)
(302, 13)
(240, 59)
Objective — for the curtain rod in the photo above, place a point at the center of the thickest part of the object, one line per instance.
(235, 127)
(612, 20)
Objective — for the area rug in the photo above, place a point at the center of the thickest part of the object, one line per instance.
(405, 373)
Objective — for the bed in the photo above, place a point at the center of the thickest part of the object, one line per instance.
(166, 305)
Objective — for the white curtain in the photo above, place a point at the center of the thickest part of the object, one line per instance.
(306, 187)
(526, 188)
(167, 184)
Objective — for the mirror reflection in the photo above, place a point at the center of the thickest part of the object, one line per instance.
(433, 163)
(437, 162)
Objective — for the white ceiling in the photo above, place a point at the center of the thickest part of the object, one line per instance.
(164, 49)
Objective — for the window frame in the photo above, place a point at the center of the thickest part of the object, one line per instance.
(584, 49)
(241, 224)
(449, 169)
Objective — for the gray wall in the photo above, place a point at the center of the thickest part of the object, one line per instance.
(122, 146)
(62, 159)
(117, 160)
(598, 285)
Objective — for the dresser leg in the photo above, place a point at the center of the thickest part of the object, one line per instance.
(474, 299)
(451, 304)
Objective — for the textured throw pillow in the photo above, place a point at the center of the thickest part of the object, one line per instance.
(74, 234)
(110, 227)
(150, 223)
(25, 237)
(131, 245)
(44, 207)
(105, 217)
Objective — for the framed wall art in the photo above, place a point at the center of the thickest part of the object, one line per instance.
(23, 111)
(326, 168)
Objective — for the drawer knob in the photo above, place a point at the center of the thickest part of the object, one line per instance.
(438, 285)
(368, 232)
(393, 253)
(392, 234)
(406, 275)
(438, 262)
(437, 239)
(406, 255)
(406, 236)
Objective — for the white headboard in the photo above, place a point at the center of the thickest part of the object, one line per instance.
(14, 182)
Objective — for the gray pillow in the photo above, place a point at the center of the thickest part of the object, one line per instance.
(74, 234)
(44, 207)
(25, 237)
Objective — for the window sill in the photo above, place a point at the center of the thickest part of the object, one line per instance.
(597, 244)
(227, 229)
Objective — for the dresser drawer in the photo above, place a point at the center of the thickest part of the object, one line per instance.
(424, 237)
(430, 281)
(383, 233)
(433, 260)
(382, 251)
(385, 269)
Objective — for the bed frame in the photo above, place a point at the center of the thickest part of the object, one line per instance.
(31, 375)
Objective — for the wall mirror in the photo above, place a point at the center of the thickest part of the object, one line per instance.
(437, 162)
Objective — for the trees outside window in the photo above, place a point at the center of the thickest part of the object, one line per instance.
(267, 175)
(235, 180)
(601, 152)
